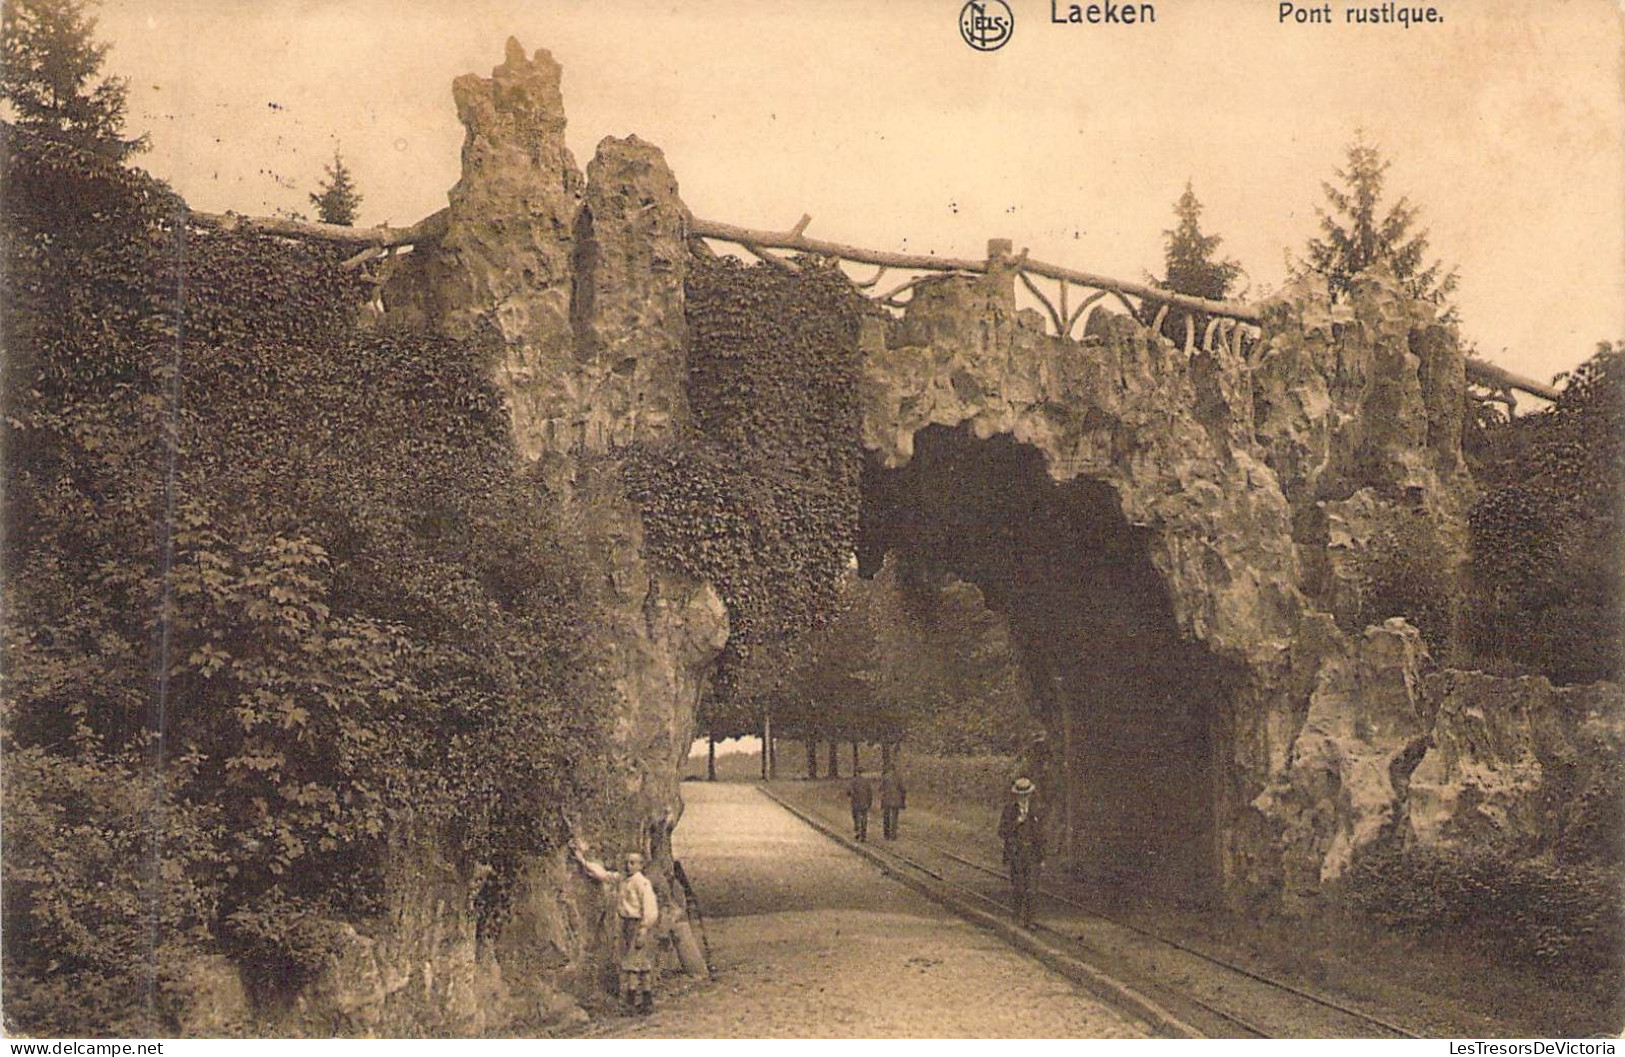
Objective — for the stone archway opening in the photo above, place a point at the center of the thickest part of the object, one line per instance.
(1134, 713)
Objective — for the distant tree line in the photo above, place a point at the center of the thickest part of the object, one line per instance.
(925, 662)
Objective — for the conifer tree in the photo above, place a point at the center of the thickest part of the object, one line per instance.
(50, 65)
(1189, 255)
(1190, 268)
(339, 201)
(1356, 232)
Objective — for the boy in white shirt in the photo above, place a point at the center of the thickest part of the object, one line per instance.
(638, 910)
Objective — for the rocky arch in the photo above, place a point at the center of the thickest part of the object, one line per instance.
(1253, 483)
(1133, 709)
(1239, 495)
(1248, 487)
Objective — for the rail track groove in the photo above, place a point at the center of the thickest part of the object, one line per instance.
(1176, 988)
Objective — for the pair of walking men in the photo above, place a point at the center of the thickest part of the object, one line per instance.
(1021, 831)
(893, 799)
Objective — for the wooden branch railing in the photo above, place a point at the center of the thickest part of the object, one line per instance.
(1488, 375)
(756, 240)
(426, 230)
(794, 239)
(374, 241)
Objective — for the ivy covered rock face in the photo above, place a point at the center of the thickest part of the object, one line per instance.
(459, 605)
(569, 289)
(377, 641)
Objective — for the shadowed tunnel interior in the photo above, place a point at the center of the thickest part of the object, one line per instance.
(1131, 709)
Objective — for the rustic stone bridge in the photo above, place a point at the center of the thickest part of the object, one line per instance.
(1172, 529)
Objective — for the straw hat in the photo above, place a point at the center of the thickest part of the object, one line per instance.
(1023, 787)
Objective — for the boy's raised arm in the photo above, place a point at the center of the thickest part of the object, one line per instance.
(595, 870)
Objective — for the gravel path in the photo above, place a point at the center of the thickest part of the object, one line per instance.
(813, 942)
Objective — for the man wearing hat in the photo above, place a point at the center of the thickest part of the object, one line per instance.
(1021, 828)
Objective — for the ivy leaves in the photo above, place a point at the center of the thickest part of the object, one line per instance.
(1548, 530)
(762, 501)
(300, 550)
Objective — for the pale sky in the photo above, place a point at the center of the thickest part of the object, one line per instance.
(1506, 123)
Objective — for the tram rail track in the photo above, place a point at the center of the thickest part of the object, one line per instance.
(1186, 948)
(1187, 991)
(1247, 1027)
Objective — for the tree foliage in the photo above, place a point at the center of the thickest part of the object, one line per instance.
(1190, 266)
(1357, 232)
(339, 202)
(265, 623)
(925, 661)
(836, 686)
(1549, 529)
(50, 66)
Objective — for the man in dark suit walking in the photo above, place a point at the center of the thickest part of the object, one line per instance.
(862, 795)
(1021, 829)
(893, 799)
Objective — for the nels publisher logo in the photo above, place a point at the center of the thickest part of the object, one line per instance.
(986, 25)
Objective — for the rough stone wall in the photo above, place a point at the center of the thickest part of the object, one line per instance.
(631, 367)
(571, 286)
(1358, 409)
(1520, 765)
(1124, 411)
(1260, 481)
(1341, 787)
(1263, 481)
(572, 290)
(1396, 750)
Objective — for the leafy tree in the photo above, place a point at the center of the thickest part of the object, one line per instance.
(220, 716)
(926, 659)
(339, 201)
(843, 683)
(49, 69)
(1356, 232)
(966, 655)
(824, 683)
